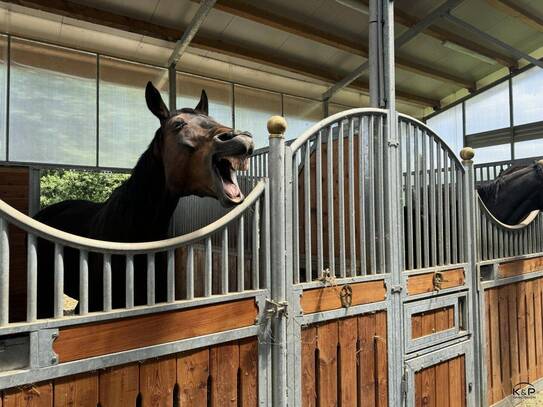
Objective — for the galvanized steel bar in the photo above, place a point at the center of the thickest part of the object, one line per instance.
(454, 207)
(440, 220)
(241, 254)
(190, 272)
(32, 279)
(318, 184)
(433, 214)
(425, 209)
(170, 285)
(352, 208)
(224, 261)
(446, 207)
(330, 205)
(307, 209)
(266, 238)
(341, 200)
(129, 277)
(371, 199)
(58, 310)
(361, 195)
(83, 282)
(256, 247)
(410, 242)
(4, 272)
(295, 219)
(107, 287)
(380, 161)
(151, 279)
(417, 217)
(208, 268)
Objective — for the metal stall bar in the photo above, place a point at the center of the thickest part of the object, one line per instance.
(4, 273)
(32, 279)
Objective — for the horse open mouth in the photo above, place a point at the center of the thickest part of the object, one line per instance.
(225, 168)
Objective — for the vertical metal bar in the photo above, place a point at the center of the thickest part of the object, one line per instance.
(417, 217)
(295, 219)
(32, 279)
(58, 311)
(439, 187)
(352, 207)
(446, 206)
(224, 261)
(190, 272)
(425, 185)
(361, 196)
(107, 282)
(208, 268)
(330, 193)
(433, 216)
(256, 248)
(150, 279)
(380, 161)
(410, 241)
(460, 175)
(266, 239)
(454, 207)
(318, 183)
(241, 254)
(170, 296)
(341, 202)
(307, 210)
(371, 197)
(129, 276)
(4, 272)
(83, 282)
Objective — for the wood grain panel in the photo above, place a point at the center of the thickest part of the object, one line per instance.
(131, 333)
(157, 381)
(309, 372)
(435, 320)
(119, 386)
(80, 391)
(328, 298)
(424, 283)
(381, 359)
(40, 395)
(248, 372)
(348, 361)
(515, 268)
(442, 385)
(192, 377)
(366, 332)
(223, 367)
(327, 341)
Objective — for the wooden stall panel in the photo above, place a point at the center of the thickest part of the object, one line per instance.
(425, 283)
(119, 386)
(14, 190)
(193, 376)
(442, 385)
(80, 391)
(433, 321)
(223, 365)
(344, 362)
(513, 336)
(157, 382)
(40, 395)
(514, 268)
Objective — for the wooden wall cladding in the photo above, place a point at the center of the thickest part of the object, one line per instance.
(430, 322)
(442, 385)
(218, 376)
(344, 362)
(514, 268)
(514, 336)
(424, 283)
(14, 190)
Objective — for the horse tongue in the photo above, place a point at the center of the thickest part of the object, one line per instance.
(231, 190)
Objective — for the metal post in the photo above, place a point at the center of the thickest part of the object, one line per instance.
(375, 49)
(476, 304)
(276, 128)
(4, 273)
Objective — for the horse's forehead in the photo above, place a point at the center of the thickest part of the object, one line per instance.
(199, 120)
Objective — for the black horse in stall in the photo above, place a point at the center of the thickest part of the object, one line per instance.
(190, 154)
(515, 193)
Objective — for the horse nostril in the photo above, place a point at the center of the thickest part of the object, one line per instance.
(226, 136)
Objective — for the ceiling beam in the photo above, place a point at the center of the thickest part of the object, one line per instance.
(259, 15)
(441, 34)
(133, 25)
(512, 8)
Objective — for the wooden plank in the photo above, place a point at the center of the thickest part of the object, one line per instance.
(445, 316)
(418, 389)
(192, 377)
(513, 334)
(80, 391)
(488, 346)
(366, 332)
(517, 267)
(223, 368)
(442, 384)
(530, 328)
(119, 386)
(381, 359)
(428, 323)
(495, 337)
(309, 372)
(33, 396)
(538, 327)
(131, 333)
(157, 381)
(456, 393)
(428, 396)
(424, 283)
(463, 389)
(248, 365)
(347, 361)
(327, 341)
(503, 303)
(327, 298)
(522, 339)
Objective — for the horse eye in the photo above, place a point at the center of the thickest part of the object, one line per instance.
(179, 125)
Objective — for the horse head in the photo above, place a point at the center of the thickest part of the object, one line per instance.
(200, 155)
(515, 193)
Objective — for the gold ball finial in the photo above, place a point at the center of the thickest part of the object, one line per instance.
(277, 125)
(467, 153)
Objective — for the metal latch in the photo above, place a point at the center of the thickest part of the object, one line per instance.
(276, 309)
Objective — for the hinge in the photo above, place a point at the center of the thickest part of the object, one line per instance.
(403, 384)
(396, 289)
(276, 309)
(393, 143)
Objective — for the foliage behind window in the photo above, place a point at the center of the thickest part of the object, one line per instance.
(60, 185)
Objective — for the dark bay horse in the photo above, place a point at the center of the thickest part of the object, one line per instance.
(515, 193)
(190, 154)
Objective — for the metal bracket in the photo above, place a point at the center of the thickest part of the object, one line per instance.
(393, 143)
(276, 309)
(403, 384)
(46, 354)
(396, 289)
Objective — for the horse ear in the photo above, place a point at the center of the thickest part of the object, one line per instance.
(203, 106)
(155, 103)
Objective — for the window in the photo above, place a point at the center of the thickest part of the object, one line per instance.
(253, 109)
(500, 152)
(126, 125)
(3, 96)
(300, 114)
(52, 104)
(448, 126)
(527, 149)
(527, 90)
(488, 110)
(219, 94)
